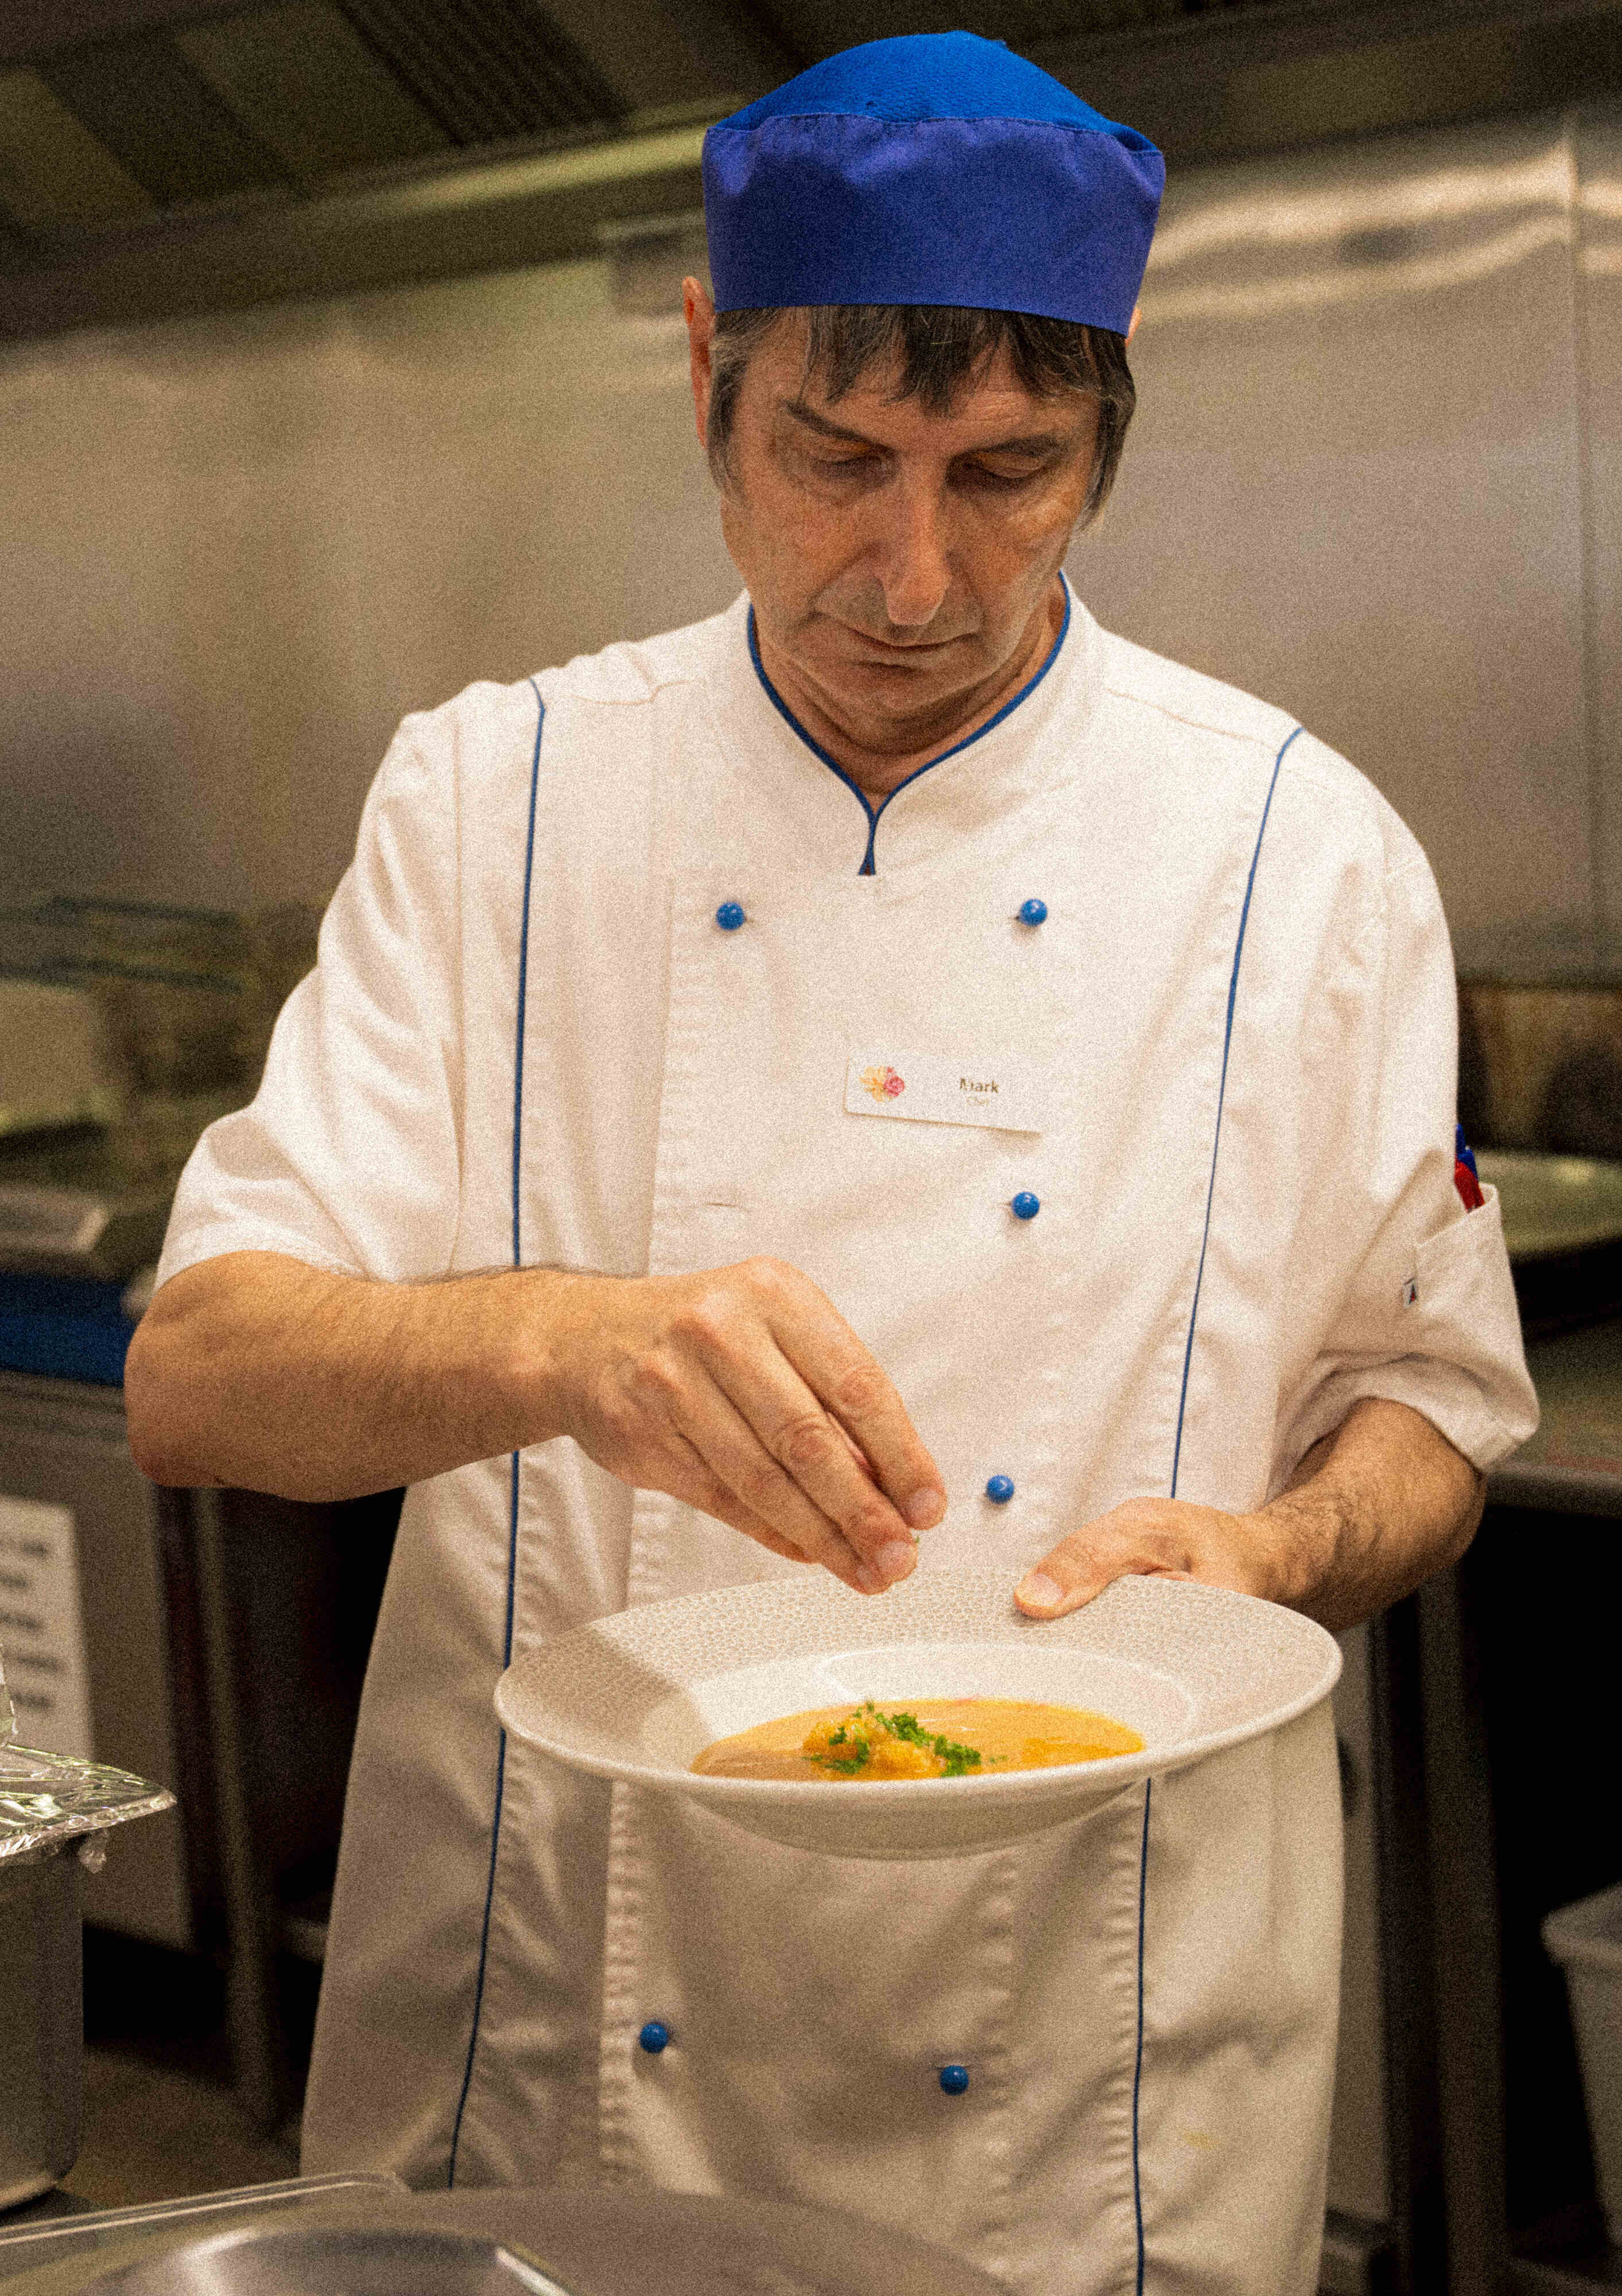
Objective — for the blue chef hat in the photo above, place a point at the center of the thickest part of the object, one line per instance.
(936, 169)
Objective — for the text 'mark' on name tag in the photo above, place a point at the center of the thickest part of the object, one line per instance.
(1006, 1089)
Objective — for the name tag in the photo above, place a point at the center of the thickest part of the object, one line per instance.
(1000, 1088)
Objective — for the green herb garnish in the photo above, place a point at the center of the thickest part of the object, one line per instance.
(852, 1735)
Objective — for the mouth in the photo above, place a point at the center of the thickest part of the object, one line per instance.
(888, 650)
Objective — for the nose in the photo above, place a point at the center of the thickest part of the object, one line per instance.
(915, 571)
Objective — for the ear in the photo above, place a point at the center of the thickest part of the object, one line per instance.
(1137, 313)
(699, 310)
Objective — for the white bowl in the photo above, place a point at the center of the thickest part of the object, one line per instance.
(636, 1696)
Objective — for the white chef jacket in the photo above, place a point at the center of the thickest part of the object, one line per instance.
(532, 1039)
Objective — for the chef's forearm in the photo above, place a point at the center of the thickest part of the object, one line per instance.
(739, 1390)
(1372, 1512)
(258, 1371)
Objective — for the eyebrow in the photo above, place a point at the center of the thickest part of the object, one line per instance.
(1038, 442)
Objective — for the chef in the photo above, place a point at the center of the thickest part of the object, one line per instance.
(890, 1077)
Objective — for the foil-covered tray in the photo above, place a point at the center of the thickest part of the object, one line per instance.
(48, 1799)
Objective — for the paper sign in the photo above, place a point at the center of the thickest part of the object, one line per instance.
(42, 1627)
(997, 1088)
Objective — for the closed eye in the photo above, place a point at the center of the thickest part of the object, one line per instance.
(988, 474)
(993, 481)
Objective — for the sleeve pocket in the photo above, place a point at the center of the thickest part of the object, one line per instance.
(1460, 1303)
(1463, 1272)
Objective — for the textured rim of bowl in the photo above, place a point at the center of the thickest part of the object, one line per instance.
(1101, 1776)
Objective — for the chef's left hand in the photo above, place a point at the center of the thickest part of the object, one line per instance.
(1368, 1515)
(1158, 1538)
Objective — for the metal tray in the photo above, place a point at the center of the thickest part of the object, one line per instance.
(297, 2260)
(571, 2239)
(1552, 1205)
(1562, 1223)
(75, 2246)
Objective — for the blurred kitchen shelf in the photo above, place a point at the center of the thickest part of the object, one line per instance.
(1357, 2258)
(302, 1927)
(1572, 955)
(1550, 2275)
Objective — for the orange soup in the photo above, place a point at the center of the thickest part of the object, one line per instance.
(932, 1738)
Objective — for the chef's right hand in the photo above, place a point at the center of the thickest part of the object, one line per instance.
(743, 1391)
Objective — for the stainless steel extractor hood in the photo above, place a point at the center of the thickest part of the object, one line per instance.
(163, 156)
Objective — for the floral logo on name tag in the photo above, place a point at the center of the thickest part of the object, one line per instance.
(882, 1083)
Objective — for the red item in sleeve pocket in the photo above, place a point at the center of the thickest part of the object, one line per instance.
(1467, 1185)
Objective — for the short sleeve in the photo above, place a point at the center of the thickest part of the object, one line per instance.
(349, 1157)
(1428, 1316)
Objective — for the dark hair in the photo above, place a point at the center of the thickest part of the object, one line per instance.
(938, 349)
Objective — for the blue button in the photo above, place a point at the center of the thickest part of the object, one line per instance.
(999, 1490)
(954, 2079)
(1033, 912)
(729, 916)
(654, 2036)
(1025, 1206)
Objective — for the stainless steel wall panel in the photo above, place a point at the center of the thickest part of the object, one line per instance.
(1599, 148)
(241, 548)
(1355, 488)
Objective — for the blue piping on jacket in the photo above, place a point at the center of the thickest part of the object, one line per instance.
(1188, 1355)
(868, 867)
(506, 1654)
(1227, 1042)
(1137, 2070)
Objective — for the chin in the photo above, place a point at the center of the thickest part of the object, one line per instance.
(896, 696)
